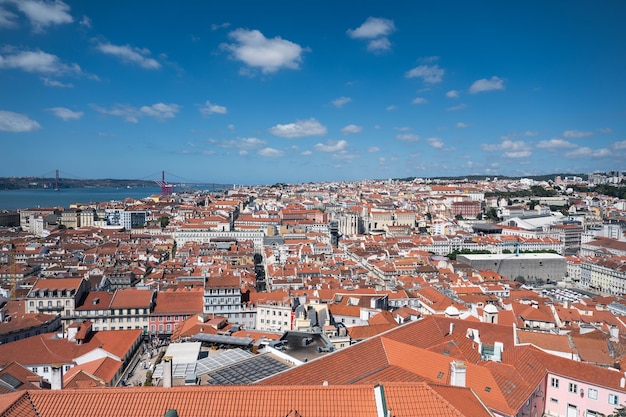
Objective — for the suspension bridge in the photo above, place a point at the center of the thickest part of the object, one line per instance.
(57, 178)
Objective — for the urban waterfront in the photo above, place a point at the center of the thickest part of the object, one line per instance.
(31, 198)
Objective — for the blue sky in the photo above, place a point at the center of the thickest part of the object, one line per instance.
(256, 92)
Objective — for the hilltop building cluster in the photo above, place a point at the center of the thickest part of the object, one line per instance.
(405, 298)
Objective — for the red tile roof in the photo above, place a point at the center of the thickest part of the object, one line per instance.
(402, 400)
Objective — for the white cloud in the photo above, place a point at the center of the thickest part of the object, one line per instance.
(462, 125)
(408, 137)
(306, 153)
(555, 143)
(392, 107)
(494, 83)
(435, 143)
(299, 129)
(131, 54)
(373, 27)
(257, 51)
(7, 19)
(341, 101)
(210, 108)
(161, 110)
(585, 152)
(331, 146)
(510, 149)
(457, 107)
(452, 94)
(38, 62)
(15, 122)
(379, 45)
(373, 149)
(271, 152)
(240, 143)
(85, 21)
(419, 100)
(43, 13)
(66, 114)
(619, 145)
(346, 130)
(429, 73)
(605, 130)
(216, 26)
(55, 83)
(376, 30)
(131, 114)
(126, 112)
(575, 134)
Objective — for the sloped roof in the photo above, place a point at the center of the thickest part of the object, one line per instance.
(402, 399)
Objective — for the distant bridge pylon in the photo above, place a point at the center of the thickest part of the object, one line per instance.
(166, 188)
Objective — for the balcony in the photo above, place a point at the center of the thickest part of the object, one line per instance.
(49, 308)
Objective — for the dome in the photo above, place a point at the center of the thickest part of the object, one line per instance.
(452, 311)
(491, 309)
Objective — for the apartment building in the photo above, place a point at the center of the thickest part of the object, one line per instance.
(56, 296)
(222, 297)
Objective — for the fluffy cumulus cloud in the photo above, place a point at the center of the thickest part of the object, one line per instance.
(130, 54)
(462, 125)
(55, 83)
(452, 94)
(131, 114)
(346, 130)
(341, 101)
(240, 143)
(271, 152)
(373, 149)
(41, 14)
(576, 134)
(510, 148)
(37, 62)
(331, 146)
(210, 108)
(161, 110)
(419, 100)
(376, 31)
(435, 143)
(299, 129)
(585, 152)
(493, 83)
(66, 114)
(7, 18)
(619, 145)
(408, 137)
(431, 74)
(16, 122)
(269, 55)
(555, 143)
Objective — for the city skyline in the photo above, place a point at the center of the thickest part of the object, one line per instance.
(262, 93)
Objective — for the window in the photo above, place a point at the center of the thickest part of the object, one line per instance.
(45, 369)
(32, 304)
(554, 400)
(67, 368)
(554, 382)
(35, 370)
(592, 393)
(613, 399)
(573, 388)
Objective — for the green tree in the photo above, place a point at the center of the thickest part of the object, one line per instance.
(164, 221)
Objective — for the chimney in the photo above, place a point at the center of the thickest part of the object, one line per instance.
(167, 372)
(56, 380)
(458, 372)
(451, 328)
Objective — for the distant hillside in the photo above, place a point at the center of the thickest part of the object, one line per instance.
(17, 183)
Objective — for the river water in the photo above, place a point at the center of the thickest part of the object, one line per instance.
(32, 198)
